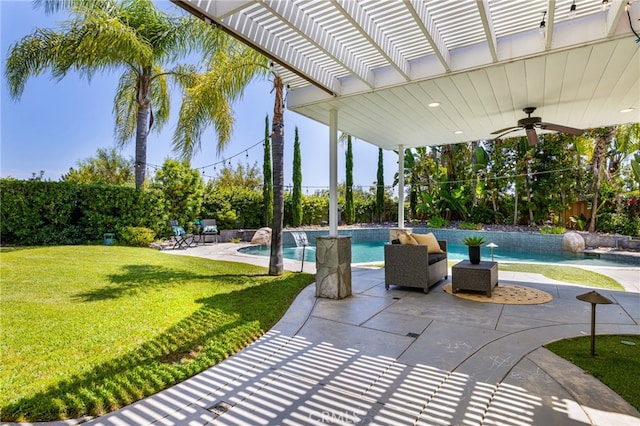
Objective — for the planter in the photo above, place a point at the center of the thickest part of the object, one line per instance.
(474, 254)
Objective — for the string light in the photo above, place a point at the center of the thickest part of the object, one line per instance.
(543, 23)
(572, 10)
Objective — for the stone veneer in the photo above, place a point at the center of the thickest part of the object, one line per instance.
(333, 267)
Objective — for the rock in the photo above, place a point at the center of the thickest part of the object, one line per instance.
(573, 242)
(262, 237)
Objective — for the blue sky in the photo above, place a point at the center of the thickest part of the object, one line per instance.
(57, 123)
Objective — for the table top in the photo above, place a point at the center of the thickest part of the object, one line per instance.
(484, 264)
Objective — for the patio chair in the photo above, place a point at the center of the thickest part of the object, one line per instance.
(181, 239)
(209, 227)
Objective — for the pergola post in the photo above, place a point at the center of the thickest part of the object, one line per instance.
(333, 252)
(333, 173)
(401, 186)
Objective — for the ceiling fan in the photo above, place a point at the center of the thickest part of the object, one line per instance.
(530, 123)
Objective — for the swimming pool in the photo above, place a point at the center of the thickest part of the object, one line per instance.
(373, 251)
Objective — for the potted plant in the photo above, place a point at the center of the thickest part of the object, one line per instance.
(474, 244)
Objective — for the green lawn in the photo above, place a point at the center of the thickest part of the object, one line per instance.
(567, 274)
(616, 364)
(88, 329)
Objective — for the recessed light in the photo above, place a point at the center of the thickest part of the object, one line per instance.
(626, 110)
(458, 132)
(434, 104)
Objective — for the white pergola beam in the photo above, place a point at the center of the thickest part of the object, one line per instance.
(428, 27)
(489, 31)
(290, 14)
(369, 30)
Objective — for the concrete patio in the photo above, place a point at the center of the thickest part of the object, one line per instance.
(403, 357)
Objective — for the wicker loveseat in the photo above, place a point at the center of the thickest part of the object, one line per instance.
(413, 266)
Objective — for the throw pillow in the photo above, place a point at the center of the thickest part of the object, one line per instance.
(210, 228)
(407, 239)
(428, 240)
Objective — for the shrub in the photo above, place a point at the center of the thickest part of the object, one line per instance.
(136, 236)
(470, 226)
(619, 223)
(580, 222)
(548, 229)
(437, 222)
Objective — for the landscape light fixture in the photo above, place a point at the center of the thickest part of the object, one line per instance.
(594, 298)
(492, 246)
(605, 5)
(543, 23)
(572, 10)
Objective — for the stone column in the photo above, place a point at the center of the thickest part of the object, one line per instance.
(333, 267)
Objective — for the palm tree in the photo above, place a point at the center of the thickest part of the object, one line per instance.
(603, 137)
(276, 262)
(267, 186)
(133, 37)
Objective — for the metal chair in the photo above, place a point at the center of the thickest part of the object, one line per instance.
(181, 239)
(209, 227)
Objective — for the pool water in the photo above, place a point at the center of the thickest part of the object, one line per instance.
(373, 251)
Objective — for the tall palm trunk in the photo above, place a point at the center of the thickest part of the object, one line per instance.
(276, 266)
(143, 98)
(597, 166)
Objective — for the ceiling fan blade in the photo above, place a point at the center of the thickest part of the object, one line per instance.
(506, 130)
(564, 129)
(505, 133)
(532, 136)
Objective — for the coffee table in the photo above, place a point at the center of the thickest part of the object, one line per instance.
(480, 277)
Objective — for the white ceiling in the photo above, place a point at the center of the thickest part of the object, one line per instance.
(379, 63)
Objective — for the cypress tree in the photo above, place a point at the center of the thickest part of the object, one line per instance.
(380, 187)
(296, 198)
(349, 211)
(267, 186)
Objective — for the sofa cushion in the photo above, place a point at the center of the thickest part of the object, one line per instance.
(436, 257)
(407, 239)
(428, 240)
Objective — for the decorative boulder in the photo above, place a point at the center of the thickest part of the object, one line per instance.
(262, 237)
(573, 242)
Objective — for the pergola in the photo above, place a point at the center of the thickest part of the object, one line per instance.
(376, 69)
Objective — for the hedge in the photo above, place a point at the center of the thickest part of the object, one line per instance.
(59, 213)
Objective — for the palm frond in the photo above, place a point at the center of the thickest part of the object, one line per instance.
(160, 98)
(125, 108)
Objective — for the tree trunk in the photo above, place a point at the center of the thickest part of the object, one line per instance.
(474, 185)
(515, 205)
(143, 98)
(276, 265)
(597, 165)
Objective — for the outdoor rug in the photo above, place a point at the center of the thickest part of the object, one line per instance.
(506, 294)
